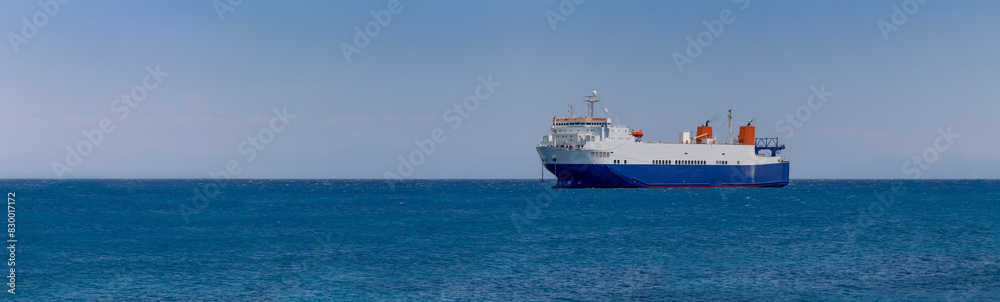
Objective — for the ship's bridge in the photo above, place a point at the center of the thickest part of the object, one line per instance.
(573, 133)
(582, 121)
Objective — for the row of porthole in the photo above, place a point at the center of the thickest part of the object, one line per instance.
(691, 162)
(688, 162)
(600, 154)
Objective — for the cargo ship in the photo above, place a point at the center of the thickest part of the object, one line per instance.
(594, 152)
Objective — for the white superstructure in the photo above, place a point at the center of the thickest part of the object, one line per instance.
(598, 141)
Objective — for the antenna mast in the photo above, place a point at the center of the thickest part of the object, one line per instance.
(730, 126)
(592, 99)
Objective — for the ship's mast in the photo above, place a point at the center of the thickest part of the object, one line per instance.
(730, 126)
(592, 99)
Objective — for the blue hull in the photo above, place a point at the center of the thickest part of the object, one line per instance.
(663, 176)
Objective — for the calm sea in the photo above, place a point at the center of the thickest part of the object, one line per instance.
(471, 240)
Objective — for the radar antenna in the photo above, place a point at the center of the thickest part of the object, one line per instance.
(592, 99)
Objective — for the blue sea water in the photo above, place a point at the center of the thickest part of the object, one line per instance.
(510, 240)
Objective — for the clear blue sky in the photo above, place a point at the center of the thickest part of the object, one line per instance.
(938, 70)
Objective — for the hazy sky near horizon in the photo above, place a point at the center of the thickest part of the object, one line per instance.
(221, 78)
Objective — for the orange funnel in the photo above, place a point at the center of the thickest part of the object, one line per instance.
(703, 133)
(747, 135)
